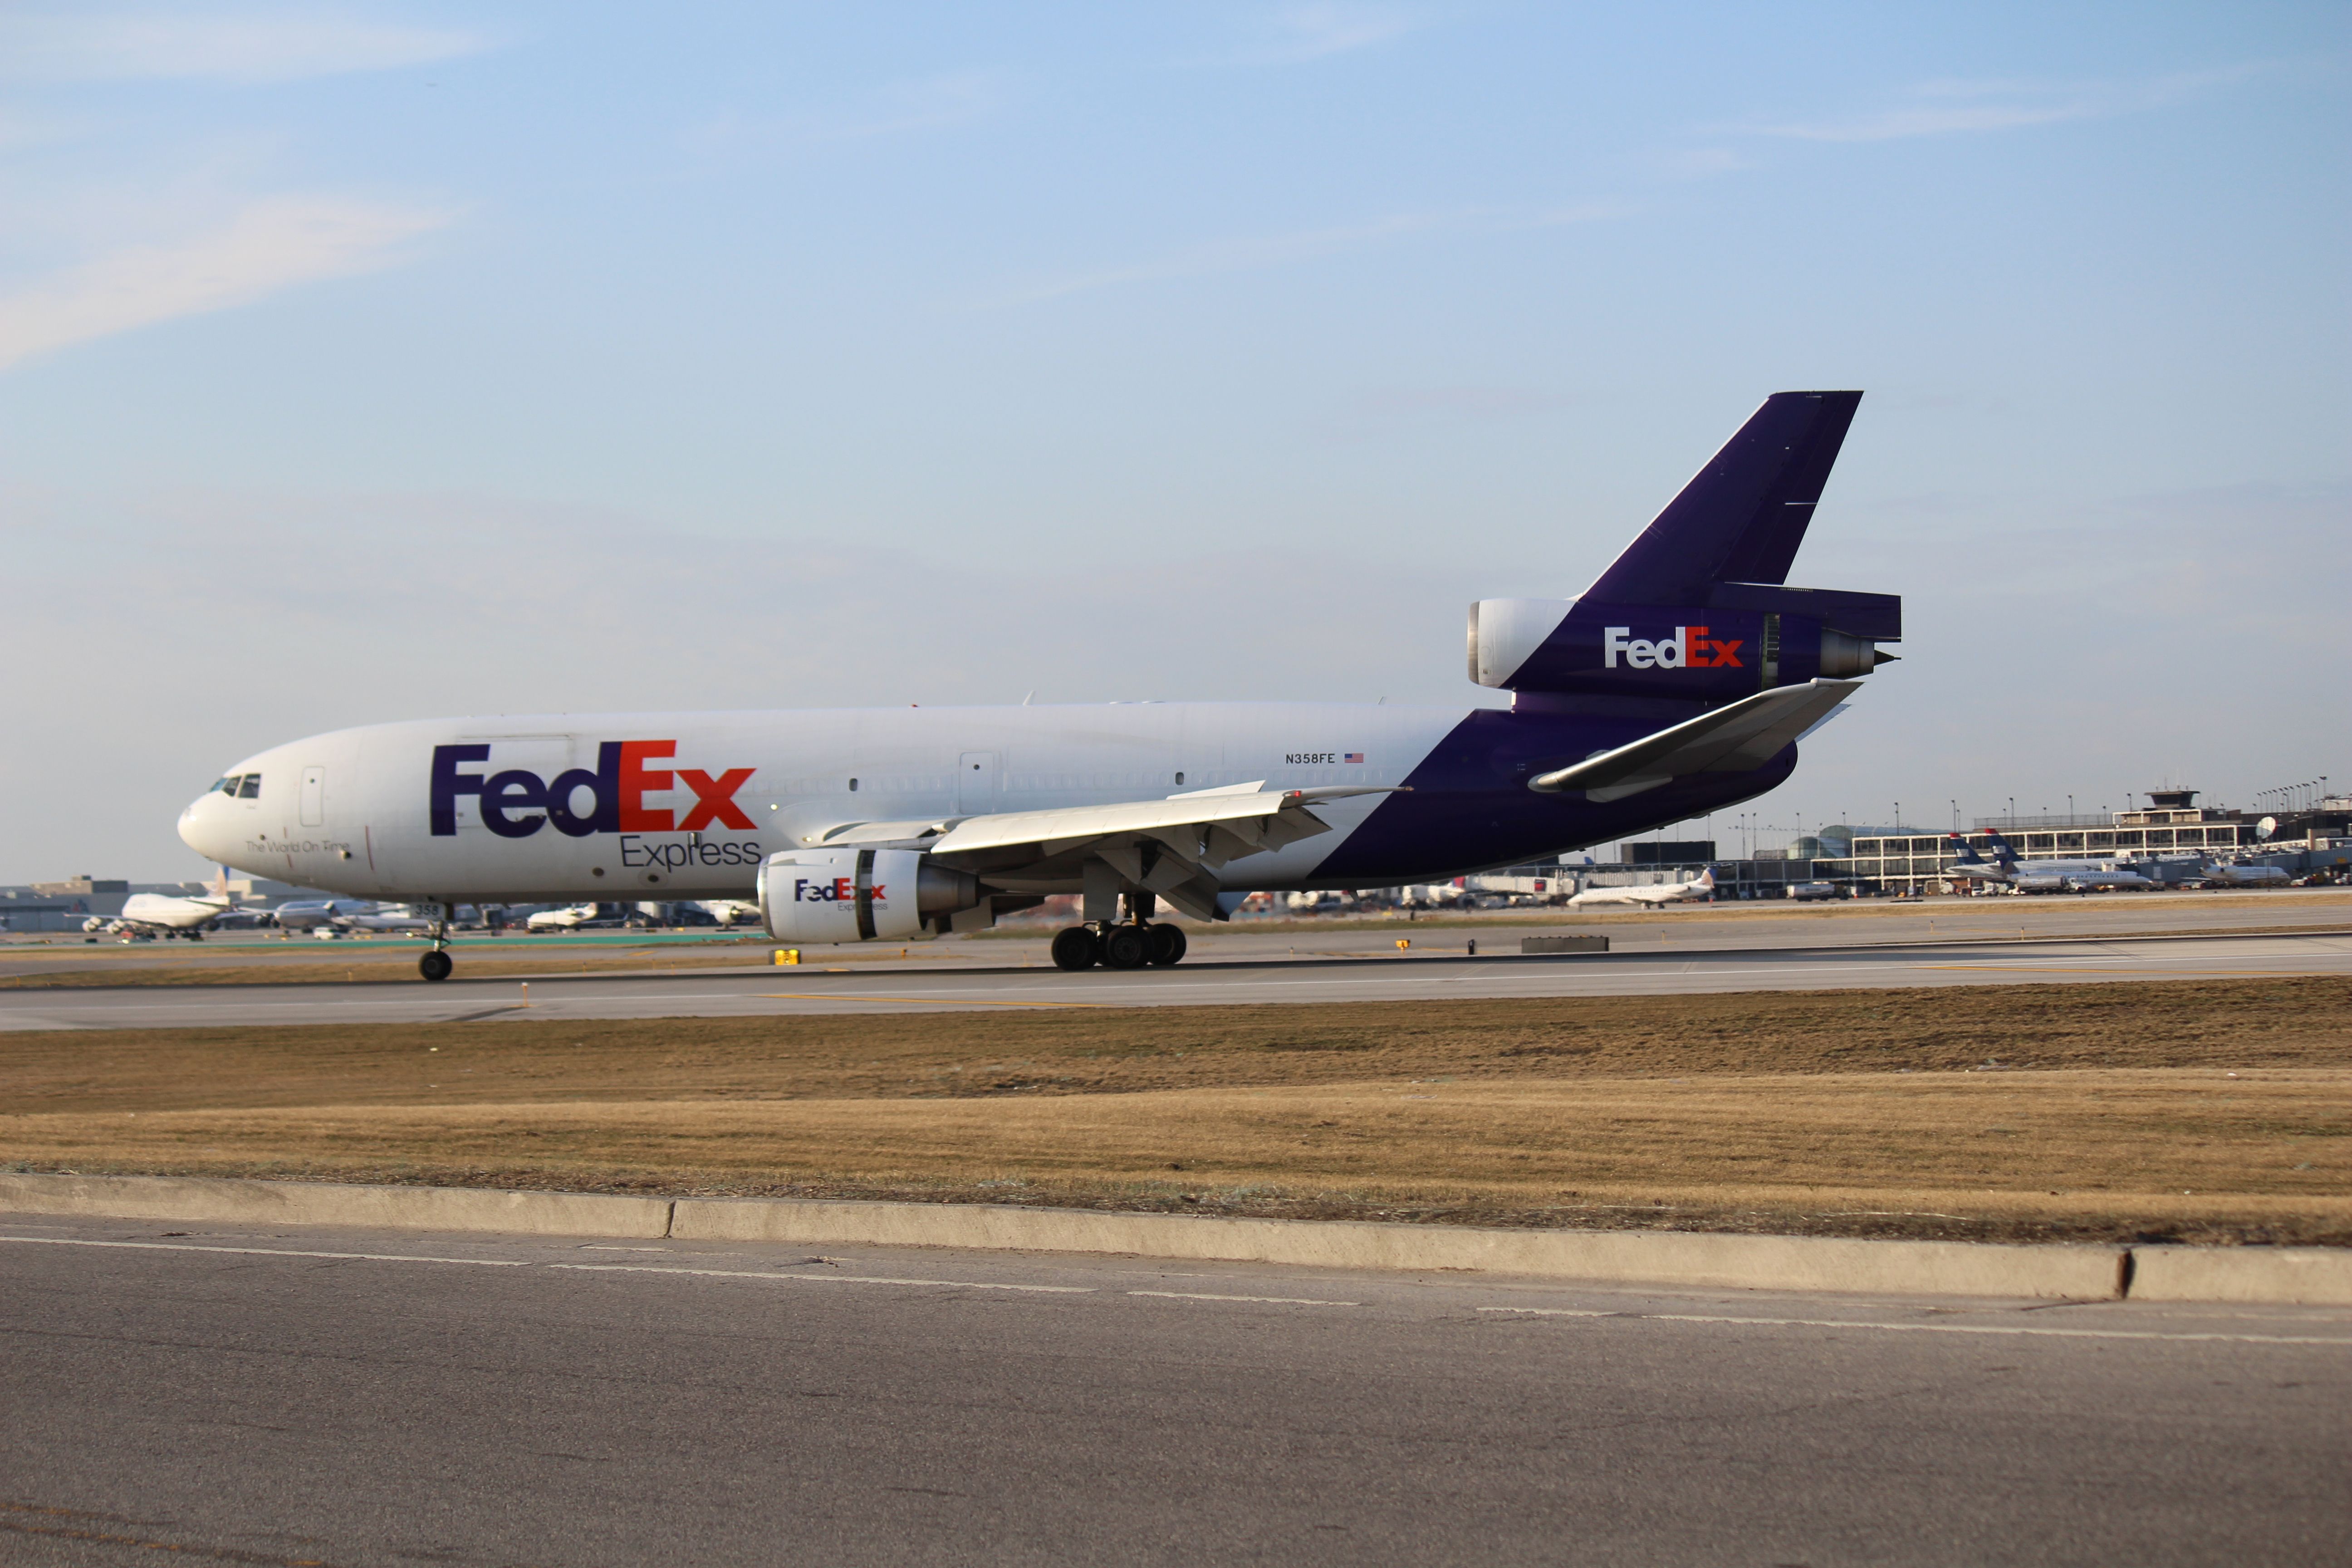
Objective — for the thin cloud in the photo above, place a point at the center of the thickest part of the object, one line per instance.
(1314, 32)
(1960, 108)
(243, 46)
(1258, 252)
(270, 245)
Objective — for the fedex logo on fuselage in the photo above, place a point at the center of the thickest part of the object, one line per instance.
(1689, 649)
(839, 891)
(517, 802)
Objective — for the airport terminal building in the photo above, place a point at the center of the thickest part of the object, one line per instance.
(2168, 839)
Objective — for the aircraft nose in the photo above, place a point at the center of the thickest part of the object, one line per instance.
(198, 830)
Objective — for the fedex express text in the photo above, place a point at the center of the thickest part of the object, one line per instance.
(515, 803)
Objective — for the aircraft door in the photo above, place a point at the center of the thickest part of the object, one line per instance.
(314, 797)
(975, 783)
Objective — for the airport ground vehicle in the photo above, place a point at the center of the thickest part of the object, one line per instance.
(1678, 683)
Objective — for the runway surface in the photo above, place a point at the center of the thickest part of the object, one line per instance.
(354, 1398)
(1755, 925)
(1306, 977)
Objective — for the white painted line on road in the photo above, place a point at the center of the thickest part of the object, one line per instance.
(820, 1278)
(1268, 1301)
(271, 1251)
(1932, 1328)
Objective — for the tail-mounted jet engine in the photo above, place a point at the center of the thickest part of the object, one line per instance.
(851, 894)
(1778, 637)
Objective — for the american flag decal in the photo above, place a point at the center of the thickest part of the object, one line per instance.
(1352, 757)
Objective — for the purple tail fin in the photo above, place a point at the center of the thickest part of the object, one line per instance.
(1741, 518)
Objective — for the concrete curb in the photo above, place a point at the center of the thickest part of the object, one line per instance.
(1659, 1257)
(2304, 1275)
(238, 1202)
(2310, 1276)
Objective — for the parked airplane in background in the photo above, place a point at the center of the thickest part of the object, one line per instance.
(1974, 867)
(168, 914)
(309, 914)
(2063, 876)
(1678, 684)
(2230, 874)
(162, 914)
(398, 918)
(1701, 887)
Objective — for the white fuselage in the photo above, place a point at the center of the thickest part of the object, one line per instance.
(2056, 876)
(160, 912)
(354, 811)
(1693, 891)
(2231, 876)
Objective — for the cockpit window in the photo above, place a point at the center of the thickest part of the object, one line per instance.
(250, 787)
(225, 786)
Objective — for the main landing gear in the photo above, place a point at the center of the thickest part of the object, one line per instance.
(434, 962)
(1130, 944)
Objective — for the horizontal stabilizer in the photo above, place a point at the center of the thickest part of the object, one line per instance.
(1744, 735)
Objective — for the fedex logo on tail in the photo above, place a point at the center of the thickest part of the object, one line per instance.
(517, 803)
(1690, 648)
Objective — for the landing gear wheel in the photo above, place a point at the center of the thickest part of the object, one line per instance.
(436, 964)
(1075, 948)
(1127, 947)
(1167, 945)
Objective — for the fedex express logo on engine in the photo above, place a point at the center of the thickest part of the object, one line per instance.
(1689, 649)
(838, 890)
(517, 802)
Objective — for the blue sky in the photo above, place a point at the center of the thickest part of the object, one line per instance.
(386, 361)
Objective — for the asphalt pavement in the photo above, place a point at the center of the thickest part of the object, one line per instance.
(1308, 976)
(376, 1398)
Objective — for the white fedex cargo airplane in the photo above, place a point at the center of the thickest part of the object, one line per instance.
(1701, 887)
(1677, 684)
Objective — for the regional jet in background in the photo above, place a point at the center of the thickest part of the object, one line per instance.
(1677, 684)
(1973, 866)
(1701, 887)
(2063, 876)
(2233, 874)
(309, 914)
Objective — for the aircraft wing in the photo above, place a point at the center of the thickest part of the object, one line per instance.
(1173, 846)
(1731, 739)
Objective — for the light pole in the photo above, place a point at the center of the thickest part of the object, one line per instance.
(2013, 814)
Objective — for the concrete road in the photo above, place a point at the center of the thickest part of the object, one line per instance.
(1305, 977)
(353, 1399)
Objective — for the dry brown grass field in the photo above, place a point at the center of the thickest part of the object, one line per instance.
(2211, 1111)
